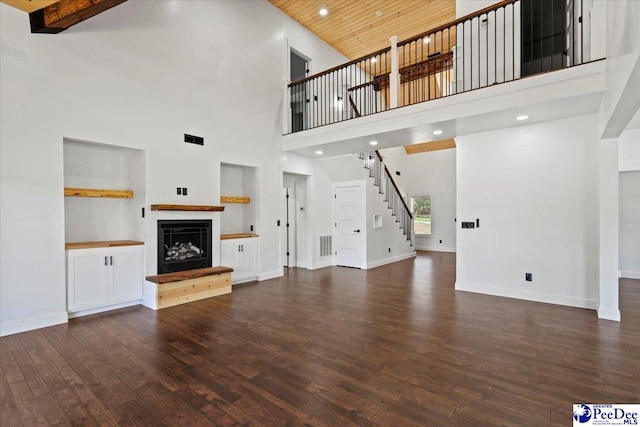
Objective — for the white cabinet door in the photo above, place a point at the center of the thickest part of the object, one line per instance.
(125, 265)
(87, 276)
(229, 255)
(104, 276)
(242, 256)
(249, 258)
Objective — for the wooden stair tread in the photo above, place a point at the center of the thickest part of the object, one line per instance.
(188, 274)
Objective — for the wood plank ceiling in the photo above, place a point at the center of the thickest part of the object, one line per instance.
(358, 27)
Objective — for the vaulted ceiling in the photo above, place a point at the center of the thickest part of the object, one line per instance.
(358, 27)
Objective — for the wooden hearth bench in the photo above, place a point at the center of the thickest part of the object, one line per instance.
(191, 285)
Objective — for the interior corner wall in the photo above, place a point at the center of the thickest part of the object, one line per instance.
(534, 190)
(137, 77)
(430, 173)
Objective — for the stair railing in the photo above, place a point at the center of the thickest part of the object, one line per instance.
(391, 194)
(491, 46)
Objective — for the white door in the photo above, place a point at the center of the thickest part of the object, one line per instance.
(126, 264)
(229, 250)
(87, 278)
(348, 214)
(249, 258)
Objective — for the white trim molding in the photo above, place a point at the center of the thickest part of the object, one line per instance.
(608, 314)
(390, 260)
(630, 274)
(527, 295)
(270, 275)
(10, 328)
(436, 249)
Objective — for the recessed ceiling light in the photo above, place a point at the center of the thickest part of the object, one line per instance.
(378, 13)
(318, 152)
(373, 143)
(425, 40)
(323, 11)
(437, 132)
(374, 60)
(521, 118)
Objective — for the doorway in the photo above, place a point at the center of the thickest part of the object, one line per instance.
(299, 69)
(295, 240)
(349, 223)
(543, 35)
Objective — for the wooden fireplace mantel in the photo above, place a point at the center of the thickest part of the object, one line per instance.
(199, 208)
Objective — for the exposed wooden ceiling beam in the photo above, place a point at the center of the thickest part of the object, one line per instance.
(430, 146)
(28, 5)
(63, 14)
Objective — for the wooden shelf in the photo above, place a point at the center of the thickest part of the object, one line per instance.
(103, 244)
(237, 236)
(200, 208)
(93, 192)
(234, 199)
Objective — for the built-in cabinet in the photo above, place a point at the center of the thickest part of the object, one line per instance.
(103, 278)
(241, 254)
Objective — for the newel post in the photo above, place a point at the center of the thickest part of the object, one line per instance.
(394, 76)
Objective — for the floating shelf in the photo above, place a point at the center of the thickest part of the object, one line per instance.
(234, 199)
(92, 192)
(200, 208)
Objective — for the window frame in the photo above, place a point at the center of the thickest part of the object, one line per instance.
(411, 198)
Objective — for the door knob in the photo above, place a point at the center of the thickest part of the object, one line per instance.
(356, 231)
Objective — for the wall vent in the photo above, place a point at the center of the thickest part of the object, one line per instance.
(325, 246)
(192, 139)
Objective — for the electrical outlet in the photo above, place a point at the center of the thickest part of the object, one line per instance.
(179, 191)
(440, 241)
(184, 191)
(528, 277)
(389, 250)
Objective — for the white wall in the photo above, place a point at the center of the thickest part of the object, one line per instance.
(432, 173)
(629, 150)
(630, 224)
(620, 101)
(534, 189)
(140, 77)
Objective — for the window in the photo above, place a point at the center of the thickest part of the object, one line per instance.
(421, 209)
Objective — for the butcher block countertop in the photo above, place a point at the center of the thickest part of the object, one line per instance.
(237, 236)
(103, 244)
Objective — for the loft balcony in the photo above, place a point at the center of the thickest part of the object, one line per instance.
(473, 74)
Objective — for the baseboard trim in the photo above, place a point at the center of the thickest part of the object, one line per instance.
(630, 274)
(11, 328)
(589, 304)
(609, 314)
(270, 275)
(390, 260)
(322, 264)
(103, 309)
(435, 249)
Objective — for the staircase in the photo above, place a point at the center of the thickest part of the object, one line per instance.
(388, 188)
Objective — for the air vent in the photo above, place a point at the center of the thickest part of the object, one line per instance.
(325, 246)
(192, 139)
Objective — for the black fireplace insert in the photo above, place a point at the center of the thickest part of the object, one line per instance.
(183, 245)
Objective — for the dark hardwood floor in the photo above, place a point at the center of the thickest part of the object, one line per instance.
(392, 346)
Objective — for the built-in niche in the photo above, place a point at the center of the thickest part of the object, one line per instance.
(239, 196)
(104, 192)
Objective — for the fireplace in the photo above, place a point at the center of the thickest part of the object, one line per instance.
(183, 245)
